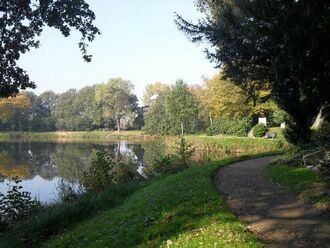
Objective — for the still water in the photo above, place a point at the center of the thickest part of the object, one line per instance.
(43, 165)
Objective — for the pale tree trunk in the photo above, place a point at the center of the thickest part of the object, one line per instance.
(211, 120)
(181, 128)
(118, 124)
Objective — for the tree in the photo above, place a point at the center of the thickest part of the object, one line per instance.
(182, 108)
(64, 111)
(225, 99)
(174, 112)
(43, 112)
(15, 113)
(282, 44)
(156, 119)
(152, 90)
(22, 21)
(84, 108)
(116, 100)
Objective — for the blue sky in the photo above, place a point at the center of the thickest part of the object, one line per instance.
(139, 42)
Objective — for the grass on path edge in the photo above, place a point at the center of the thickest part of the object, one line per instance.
(310, 186)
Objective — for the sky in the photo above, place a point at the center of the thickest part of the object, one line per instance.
(139, 42)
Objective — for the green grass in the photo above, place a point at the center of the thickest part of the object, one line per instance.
(309, 185)
(181, 210)
(55, 219)
(233, 144)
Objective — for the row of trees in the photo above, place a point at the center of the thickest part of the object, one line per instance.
(175, 109)
(190, 109)
(110, 105)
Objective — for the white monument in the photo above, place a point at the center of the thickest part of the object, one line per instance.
(262, 120)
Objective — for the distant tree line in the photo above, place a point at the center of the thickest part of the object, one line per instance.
(102, 106)
(216, 107)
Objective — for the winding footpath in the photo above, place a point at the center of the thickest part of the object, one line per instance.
(275, 215)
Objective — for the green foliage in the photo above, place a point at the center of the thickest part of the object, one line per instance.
(184, 151)
(99, 175)
(324, 164)
(116, 101)
(259, 130)
(279, 44)
(24, 21)
(124, 171)
(165, 164)
(172, 111)
(105, 171)
(321, 136)
(16, 205)
(229, 127)
(161, 165)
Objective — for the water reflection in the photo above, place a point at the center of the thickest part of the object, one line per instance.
(41, 165)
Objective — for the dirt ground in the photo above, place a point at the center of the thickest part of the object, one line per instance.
(275, 215)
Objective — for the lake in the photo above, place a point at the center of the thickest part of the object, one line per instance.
(43, 165)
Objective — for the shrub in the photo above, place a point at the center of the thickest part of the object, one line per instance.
(259, 130)
(124, 171)
(99, 174)
(321, 136)
(16, 205)
(184, 152)
(161, 165)
(325, 164)
(230, 127)
(104, 171)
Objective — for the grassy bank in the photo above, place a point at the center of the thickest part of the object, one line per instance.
(230, 144)
(181, 210)
(310, 186)
(55, 219)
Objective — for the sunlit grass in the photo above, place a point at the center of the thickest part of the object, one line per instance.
(181, 210)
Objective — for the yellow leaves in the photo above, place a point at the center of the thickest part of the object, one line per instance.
(8, 106)
(224, 99)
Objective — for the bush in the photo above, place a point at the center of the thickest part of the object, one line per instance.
(161, 165)
(104, 171)
(124, 171)
(16, 205)
(230, 127)
(99, 174)
(321, 136)
(259, 130)
(184, 152)
(325, 164)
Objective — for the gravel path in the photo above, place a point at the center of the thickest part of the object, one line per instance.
(275, 215)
